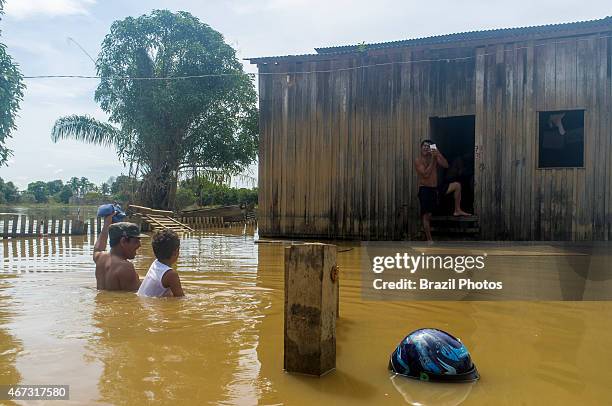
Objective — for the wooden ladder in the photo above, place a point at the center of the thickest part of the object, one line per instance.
(157, 222)
(160, 219)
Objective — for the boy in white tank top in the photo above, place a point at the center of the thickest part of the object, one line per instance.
(161, 279)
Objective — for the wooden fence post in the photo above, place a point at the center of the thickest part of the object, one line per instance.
(78, 228)
(22, 228)
(14, 230)
(310, 308)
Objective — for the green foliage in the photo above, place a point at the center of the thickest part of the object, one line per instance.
(40, 191)
(163, 126)
(85, 186)
(44, 192)
(8, 192)
(124, 188)
(65, 194)
(80, 186)
(27, 198)
(94, 198)
(86, 129)
(74, 183)
(184, 198)
(55, 186)
(11, 94)
(208, 193)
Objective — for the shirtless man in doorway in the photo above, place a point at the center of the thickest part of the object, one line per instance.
(427, 174)
(113, 270)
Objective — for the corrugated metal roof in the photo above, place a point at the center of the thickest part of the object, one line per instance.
(472, 35)
(605, 23)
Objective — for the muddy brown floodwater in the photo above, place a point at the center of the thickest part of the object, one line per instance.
(223, 343)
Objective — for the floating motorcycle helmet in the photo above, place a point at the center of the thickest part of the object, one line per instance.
(430, 354)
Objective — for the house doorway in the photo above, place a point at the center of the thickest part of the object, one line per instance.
(454, 137)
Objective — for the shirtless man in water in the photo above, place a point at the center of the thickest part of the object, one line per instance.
(113, 270)
(427, 173)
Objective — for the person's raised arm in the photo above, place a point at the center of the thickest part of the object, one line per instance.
(171, 280)
(440, 159)
(100, 245)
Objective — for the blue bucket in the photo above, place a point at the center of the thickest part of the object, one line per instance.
(108, 209)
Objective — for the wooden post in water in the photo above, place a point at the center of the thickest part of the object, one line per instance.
(14, 230)
(310, 308)
(22, 227)
(78, 228)
(45, 226)
(30, 225)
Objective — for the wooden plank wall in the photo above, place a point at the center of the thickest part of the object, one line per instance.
(337, 147)
(516, 200)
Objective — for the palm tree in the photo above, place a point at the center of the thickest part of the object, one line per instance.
(74, 183)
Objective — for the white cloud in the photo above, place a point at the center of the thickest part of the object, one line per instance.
(21, 9)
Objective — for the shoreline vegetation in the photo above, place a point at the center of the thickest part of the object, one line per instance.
(197, 192)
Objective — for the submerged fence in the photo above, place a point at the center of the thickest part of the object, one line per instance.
(52, 253)
(16, 225)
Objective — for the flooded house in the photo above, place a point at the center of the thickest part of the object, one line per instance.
(525, 113)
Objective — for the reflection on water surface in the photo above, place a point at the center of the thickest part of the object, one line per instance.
(222, 344)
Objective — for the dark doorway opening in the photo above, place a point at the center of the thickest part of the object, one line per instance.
(454, 137)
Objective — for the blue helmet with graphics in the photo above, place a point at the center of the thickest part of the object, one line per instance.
(430, 354)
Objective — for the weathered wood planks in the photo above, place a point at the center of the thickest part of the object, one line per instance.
(337, 147)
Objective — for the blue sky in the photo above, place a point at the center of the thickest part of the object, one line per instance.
(36, 33)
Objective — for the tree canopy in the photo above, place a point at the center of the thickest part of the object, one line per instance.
(8, 192)
(166, 113)
(11, 93)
